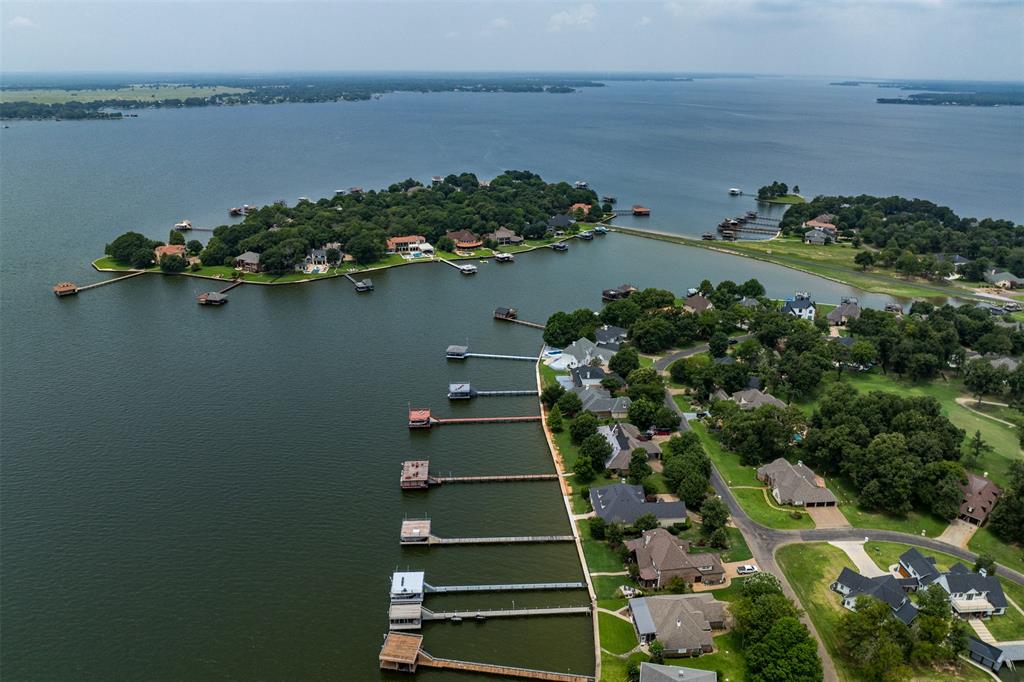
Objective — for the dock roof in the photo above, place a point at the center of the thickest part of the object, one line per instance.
(401, 647)
(415, 528)
(415, 469)
(407, 583)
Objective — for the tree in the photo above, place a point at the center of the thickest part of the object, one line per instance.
(982, 378)
(639, 469)
(760, 583)
(666, 418)
(646, 522)
(446, 244)
(569, 403)
(597, 527)
(194, 247)
(1007, 518)
(657, 650)
(976, 447)
(333, 256)
(718, 345)
(719, 539)
(555, 420)
(624, 362)
(551, 393)
(142, 257)
(713, 515)
(653, 334)
(596, 449)
(366, 247)
(863, 354)
(622, 313)
(125, 248)
(985, 562)
(173, 263)
(641, 413)
(865, 259)
(888, 474)
(215, 253)
(677, 586)
(584, 426)
(938, 488)
(874, 641)
(176, 238)
(787, 653)
(583, 469)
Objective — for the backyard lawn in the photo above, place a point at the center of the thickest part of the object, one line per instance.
(617, 635)
(600, 557)
(1004, 553)
(727, 660)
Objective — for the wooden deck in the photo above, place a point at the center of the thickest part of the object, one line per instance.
(429, 661)
(135, 273)
(437, 480)
(486, 420)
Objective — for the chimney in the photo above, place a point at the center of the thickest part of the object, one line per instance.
(679, 623)
(983, 572)
(647, 539)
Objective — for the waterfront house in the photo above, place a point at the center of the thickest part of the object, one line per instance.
(248, 262)
(583, 351)
(1003, 279)
(436, 180)
(920, 568)
(683, 623)
(625, 503)
(405, 244)
(972, 595)
(750, 303)
(752, 398)
(852, 585)
(654, 672)
(624, 439)
(579, 207)
(800, 306)
(169, 250)
(979, 496)
(602, 403)
(504, 236)
(661, 556)
(586, 376)
(610, 337)
(560, 222)
(824, 222)
(817, 237)
(795, 485)
(696, 303)
(843, 313)
(465, 240)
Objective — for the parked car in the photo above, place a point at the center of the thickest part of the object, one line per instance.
(658, 431)
(746, 569)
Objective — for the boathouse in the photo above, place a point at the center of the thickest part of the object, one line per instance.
(456, 352)
(639, 210)
(400, 652)
(506, 313)
(419, 419)
(65, 289)
(415, 531)
(415, 474)
(460, 391)
(212, 298)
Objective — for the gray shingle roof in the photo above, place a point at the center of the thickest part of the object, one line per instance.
(624, 503)
(795, 482)
(653, 672)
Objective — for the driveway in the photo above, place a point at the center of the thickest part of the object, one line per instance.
(958, 533)
(662, 364)
(827, 517)
(864, 563)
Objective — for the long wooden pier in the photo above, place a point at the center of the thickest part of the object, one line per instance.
(509, 587)
(481, 614)
(232, 286)
(134, 273)
(525, 323)
(493, 479)
(495, 356)
(509, 540)
(491, 394)
(486, 420)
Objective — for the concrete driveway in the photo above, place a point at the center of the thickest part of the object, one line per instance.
(864, 563)
(827, 517)
(958, 533)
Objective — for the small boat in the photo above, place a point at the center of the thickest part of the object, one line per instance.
(456, 619)
(586, 235)
(183, 226)
(708, 237)
(481, 616)
(504, 257)
(735, 191)
(560, 246)
(600, 229)
(467, 269)
(212, 298)
(364, 285)
(751, 215)
(234, 212)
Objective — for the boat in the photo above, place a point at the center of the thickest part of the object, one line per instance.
(456, 619)
(707, 236)
(364, 285)
(735, 191)
(586, 235)
(212, 298)
(247, 209)
(600, 229)
(234, 212)
(751, 215)
(560, 246)
(467, 269)
(504, 257)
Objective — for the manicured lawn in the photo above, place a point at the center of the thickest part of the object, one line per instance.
(1009, 626)
(738, 549)
(913, 523)
(786, 199)
(614, 669)
(600, 557)
(1003, 552)
(727, 661)
(617, 636)
(753, 502)
(683, 401)
(547, 375)
(728, 463)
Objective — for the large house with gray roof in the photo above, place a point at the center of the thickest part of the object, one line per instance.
(852, 585)
(661, 556)
(971, 594)
(654, 672)
(800, 306)
(624, 439)
(795, 484)
(625, 503)
(683, 623)
(602, 403)
(752, 398)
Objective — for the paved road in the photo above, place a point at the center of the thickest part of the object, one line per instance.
(662, 364)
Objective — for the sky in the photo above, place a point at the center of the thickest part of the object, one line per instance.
(943, 39)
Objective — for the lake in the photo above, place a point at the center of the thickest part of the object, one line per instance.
(197, 493)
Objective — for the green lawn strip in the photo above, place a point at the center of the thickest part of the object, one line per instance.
(914, 522)
(614, 669)
(753, 502)
(549, 376)
(646, 361)
(682, 401)
(738, 549)
(1009, 626)
(728, 463)
(617, 635)
(727, 661)
(600, 557)
(785, 199)
(1003, 552)
(607, 586)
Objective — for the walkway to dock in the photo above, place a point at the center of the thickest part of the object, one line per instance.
(494, 356)
(134, 273)
(522, 322)
(504, 613)
(493, 479)
(486, 420)
(232, 286)
(510, 587)
(514, 539)
(429, 661)
(491, 394)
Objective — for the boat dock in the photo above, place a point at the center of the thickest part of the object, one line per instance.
(360, 284)
(66, 288)
(427, 614)
(416, 475)
(464, 391)
(231, 286)
(512, 315)
(508, 587)
(403, 652)
(418, 532)
(462, 352)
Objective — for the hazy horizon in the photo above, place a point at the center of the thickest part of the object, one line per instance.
(871, 39)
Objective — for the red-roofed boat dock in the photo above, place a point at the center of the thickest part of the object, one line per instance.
(421, 419)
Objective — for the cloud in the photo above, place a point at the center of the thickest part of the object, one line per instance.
(22, 22)
(451, 34)
(643, 21)
(579, 17)
(499, 24)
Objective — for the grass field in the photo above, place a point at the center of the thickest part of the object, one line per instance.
(914, 522)
(600, 557)
(810, 569)
(753, 502)
(617, 635)
(738, 549)
(138, 93)
(1003, 552)
(614, 669)
(728, 463)
(785, 199)
(727, 660)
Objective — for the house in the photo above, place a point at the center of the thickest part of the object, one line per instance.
(653, 672)
(979, 496)
(972, 595)
(169, 250)
(504, 236)
(920, 568)
(1003, 279)
(624, 503)
(609, 336)
(852, 585)
(316, 257)
(602, 403)
(843, 313)
(817, 237)
(248, 262)
(800, 306)
(958, 261)
(465, 240)
(586, 352)
(752, 398)
(560, 222)
(683, 623)
(696, 303)
(825, 222)
(1003, 361)
(586, 376)
(579, 207)
(624, 438)
(405, 244)
(748, 302)
(795, 485)
(661, 556)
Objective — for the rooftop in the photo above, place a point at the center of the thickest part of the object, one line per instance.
(401, 648)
